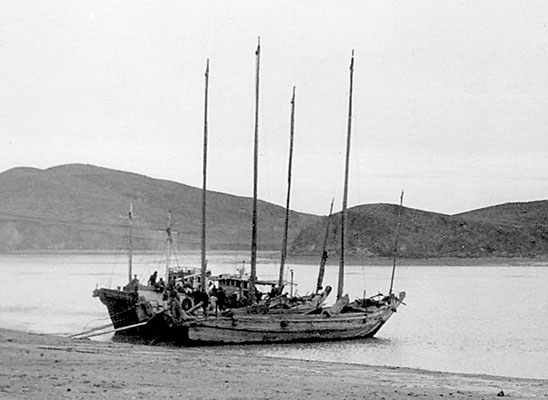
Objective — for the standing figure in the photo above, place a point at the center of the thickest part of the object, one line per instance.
(152, 279)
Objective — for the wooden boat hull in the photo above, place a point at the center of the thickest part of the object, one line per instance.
(289, 328)
(128, 308)
(123, 307)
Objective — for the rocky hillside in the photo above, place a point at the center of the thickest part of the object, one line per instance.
(507, 230)
(81, 207)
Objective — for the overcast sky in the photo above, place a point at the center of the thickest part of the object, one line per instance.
(450, 97)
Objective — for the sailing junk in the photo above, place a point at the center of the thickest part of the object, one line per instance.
(144, 314)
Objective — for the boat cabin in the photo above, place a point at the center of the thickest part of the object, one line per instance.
(189, 277)
(238, 285)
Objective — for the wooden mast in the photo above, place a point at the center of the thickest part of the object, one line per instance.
(321, 271)
(169, 245)
(204, 186)
(289, 167)
(255, 175)
(130, 243)
(340, 287)
(396, 244)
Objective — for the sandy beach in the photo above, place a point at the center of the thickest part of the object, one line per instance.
(49, 367)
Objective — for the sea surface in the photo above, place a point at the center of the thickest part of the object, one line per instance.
(490, 319)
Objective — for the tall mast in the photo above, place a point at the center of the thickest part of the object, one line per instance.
(396, 243)
(255, 174)
(130, 243)
(169, 245)
(345, 191)
(321, 272)
(204, 175)
(286, 226)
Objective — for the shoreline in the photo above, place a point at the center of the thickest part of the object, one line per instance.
(52, 367)
(351, 260)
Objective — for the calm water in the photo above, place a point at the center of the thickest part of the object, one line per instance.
(480, 319)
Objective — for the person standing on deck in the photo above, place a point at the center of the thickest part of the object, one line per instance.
(152, 279)
(133, 285)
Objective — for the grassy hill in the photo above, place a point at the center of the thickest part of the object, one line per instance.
(80, 207)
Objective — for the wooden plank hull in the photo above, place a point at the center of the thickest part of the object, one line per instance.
(127, 308)
(288, 328)
(122, 306)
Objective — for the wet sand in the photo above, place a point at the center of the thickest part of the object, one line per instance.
(50, 367)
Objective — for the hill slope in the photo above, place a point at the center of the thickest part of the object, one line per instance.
(516, 229)
(79, 207)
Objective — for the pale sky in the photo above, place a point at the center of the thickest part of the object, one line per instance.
(450, 97)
